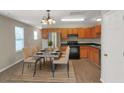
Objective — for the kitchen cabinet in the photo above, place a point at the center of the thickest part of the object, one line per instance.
(83, 52)
(85, 32)
(75, 31)
(93, 33)
(64, 33)
(89, 32)
(69, 30)
(96, 56)
(92, 53)
(98, 30)
(53, 30)
(81, 33)
(44, 33)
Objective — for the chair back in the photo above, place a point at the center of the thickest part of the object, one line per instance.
(37, 48)
(67, 54)
(26, 53)
(34, 50)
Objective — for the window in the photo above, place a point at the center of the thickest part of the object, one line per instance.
(35, 35)
(19, 38)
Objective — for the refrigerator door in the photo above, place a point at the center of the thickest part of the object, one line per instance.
(55, 38)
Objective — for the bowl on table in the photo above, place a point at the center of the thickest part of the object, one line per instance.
(42, 50)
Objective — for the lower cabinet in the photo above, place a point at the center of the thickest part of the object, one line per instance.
(92, 53)
(83, 52)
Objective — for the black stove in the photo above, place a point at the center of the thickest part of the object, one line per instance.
(74, 50)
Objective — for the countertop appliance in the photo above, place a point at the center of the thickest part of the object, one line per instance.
(74, 50)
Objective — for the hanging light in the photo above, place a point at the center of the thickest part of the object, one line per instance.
(48, 20)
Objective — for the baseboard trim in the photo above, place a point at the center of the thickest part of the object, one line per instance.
(101, 80)
(1, 70)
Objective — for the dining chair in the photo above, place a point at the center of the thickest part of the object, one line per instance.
(63, 60)
(29, 59)
(35, 50)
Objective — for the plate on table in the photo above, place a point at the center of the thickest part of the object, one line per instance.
(42, 50)
(54, 53)
(58, 51)
(39, 53)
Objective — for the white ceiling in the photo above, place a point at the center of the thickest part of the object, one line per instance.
(33, 17)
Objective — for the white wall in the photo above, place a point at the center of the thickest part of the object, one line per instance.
(8, 55)
(112, 66)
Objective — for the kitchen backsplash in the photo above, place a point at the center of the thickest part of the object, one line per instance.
(96, 40)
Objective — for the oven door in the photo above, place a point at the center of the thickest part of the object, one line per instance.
(74, 52)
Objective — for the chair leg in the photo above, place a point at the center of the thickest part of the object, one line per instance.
(35, 69)
(68, 69)
(28, 66)
(53, 69)
(40, 64)
(44, 60)
(23, 68)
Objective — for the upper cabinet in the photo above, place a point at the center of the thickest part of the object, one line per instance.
(74, 30)
(44, 33)
(63, 32)
(98, 30)
(88, 32)
(81, 33)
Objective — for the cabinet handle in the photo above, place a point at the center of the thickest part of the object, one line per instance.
(105, 54)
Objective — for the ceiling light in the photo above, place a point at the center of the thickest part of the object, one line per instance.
(48, 20)
(73, 19)
(98, 19)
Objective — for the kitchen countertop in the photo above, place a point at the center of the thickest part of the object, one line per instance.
(96, 45)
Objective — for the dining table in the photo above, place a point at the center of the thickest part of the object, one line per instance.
(52, 54)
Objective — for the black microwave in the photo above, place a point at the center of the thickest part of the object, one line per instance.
(72, 36)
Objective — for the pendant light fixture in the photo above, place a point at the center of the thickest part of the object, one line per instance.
(48, 20)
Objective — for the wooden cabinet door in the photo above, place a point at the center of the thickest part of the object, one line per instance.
(91, 55)
(98, 30)
(50, 29)
(53, 30)
(93, 33)
(96, 56)
(45, 33)
(87, 32)
(74, 31)
(81, 33)
(83, 52)
(70, 30)
(60, 31)
(64, 33)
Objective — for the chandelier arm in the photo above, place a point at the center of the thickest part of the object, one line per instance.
(48, 20)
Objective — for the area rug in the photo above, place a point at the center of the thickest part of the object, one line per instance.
(42, 76)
